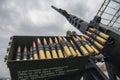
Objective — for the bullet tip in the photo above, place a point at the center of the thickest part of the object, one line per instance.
(59, 37)
(25, 48)
(19, 48)
(34, 45)
(56, 40)
(50, 41)
(64, 38)
(71, 41)
(38, 41)
(45, 42)
(82, 37)
(88, 32)
(74, 38)
(90, 28)
(78, 37)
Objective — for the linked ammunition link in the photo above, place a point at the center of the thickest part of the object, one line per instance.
(46, 47)
(60, 47)
(40, 47)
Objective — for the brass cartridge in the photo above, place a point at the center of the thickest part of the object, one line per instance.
(95, 50)
(94, 42)
(70, 47)
(25, 53)
(82, 48)
(98, 38)
(47, 51)
(35, 55)
(40, 49)
(52, 47)
(18, 57)
(31, 54)
(90, 50)
(65, 47)
(75, 48)
(60, 54)
(103, 35)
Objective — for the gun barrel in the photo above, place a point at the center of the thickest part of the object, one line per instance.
(61, 11)
(55, 8)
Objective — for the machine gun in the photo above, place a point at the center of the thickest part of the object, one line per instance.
(111, 49)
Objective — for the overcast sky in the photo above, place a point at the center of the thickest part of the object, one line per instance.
(36, 17)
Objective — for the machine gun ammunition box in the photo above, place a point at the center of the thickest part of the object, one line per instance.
(42, 69)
